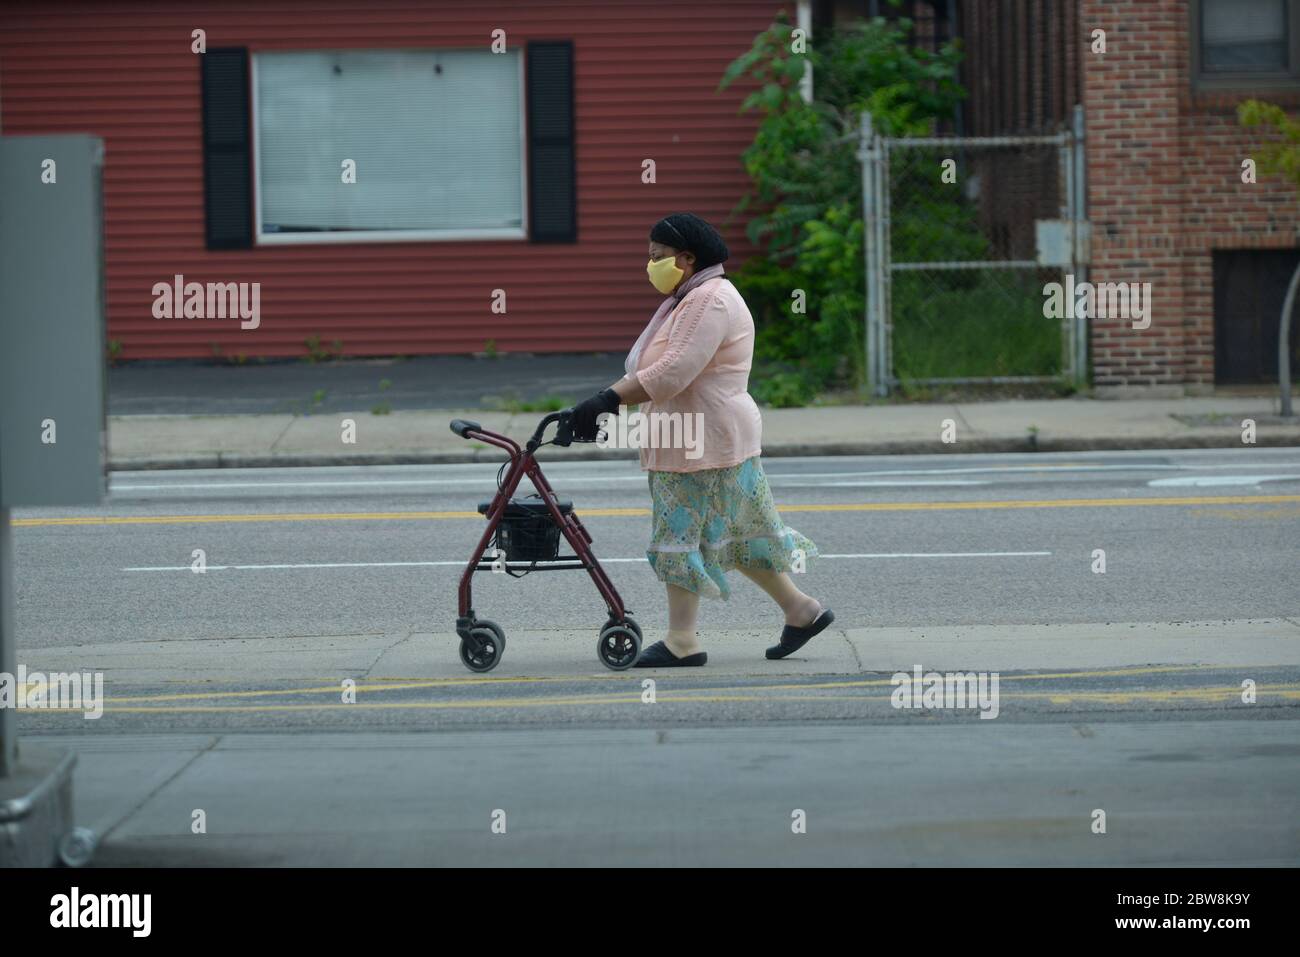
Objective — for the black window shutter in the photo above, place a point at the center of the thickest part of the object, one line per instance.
(227, 174)
(552, 182)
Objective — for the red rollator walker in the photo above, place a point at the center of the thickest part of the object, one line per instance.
(525, 534)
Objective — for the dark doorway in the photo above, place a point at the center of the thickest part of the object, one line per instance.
(1249, 286)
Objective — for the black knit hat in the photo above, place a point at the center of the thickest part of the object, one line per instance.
(689, 233)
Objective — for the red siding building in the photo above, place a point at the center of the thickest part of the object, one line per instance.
(521, 190)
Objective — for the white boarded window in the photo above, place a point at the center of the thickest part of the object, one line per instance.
(436, 137)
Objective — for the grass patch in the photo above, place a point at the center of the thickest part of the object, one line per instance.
(513, 404)
(952, 325)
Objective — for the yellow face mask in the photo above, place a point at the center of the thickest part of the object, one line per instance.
(664, 274)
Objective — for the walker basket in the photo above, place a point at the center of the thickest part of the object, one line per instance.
(527, 532)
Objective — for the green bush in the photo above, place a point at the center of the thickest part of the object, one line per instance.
(805, 203)
(781, 389)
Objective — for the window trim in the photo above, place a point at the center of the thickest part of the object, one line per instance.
(261, 238)
(1253, 80)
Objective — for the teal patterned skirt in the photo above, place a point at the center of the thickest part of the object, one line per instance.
(708, 522)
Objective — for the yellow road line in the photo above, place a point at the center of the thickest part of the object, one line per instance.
(399, 684)
(633, 512)
(1230, 693)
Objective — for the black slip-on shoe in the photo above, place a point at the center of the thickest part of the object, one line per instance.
(659, 656)
(792, 638)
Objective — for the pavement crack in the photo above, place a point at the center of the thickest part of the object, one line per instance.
(216, 739)
(852, 650)
(287, 426)
(385, 650)
(961, 419)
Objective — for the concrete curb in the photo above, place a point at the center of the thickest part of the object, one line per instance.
(1029, 443)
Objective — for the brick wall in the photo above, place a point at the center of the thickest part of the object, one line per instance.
(1165, 190)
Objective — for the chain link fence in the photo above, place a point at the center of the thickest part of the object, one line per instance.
(963, 236)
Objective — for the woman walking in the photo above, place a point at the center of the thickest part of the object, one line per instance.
(713, 510)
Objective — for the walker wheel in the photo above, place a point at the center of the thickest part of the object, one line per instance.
(629, 621)
(77, 847)
(489, 656)
(619, 647)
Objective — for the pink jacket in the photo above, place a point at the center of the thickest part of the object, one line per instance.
(699, 362)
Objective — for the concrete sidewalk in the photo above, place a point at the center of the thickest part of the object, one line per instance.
(417, 437)
(565, 654)
(600, 793)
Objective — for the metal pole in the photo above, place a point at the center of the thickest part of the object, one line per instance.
(866, 156)
(1080, 155)
(1284, 344)
(8, 648)
(884, 268)
(1069, 340)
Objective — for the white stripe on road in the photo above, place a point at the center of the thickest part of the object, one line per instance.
(778, 475)
(603, 561)
(1214, 481)
(940, 555)
(477, 480)
(915, 483)
(363, 483)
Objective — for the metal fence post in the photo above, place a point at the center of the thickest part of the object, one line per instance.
(884, 275)
(1080, 217)
(871, 279)
(8, 647)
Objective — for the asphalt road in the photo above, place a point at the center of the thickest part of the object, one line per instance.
(1192, 793)
(712, 771)
(909, 541)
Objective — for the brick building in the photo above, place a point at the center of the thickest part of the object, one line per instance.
(1166, 196)
(1164, 160)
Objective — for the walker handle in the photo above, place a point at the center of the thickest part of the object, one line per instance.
(461, 426)
(564, 434)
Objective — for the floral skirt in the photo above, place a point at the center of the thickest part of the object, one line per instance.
(708, 522)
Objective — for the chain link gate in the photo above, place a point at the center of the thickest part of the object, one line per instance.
(956, 272)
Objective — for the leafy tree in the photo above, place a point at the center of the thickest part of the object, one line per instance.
(1280, 155)
(805, 203)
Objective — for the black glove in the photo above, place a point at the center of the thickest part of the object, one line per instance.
(586, 412)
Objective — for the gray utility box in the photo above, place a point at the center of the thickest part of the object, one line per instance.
(52, 429)
(51, 321)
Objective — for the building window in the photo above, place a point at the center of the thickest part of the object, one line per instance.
(1246, 43)
(436, 138)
